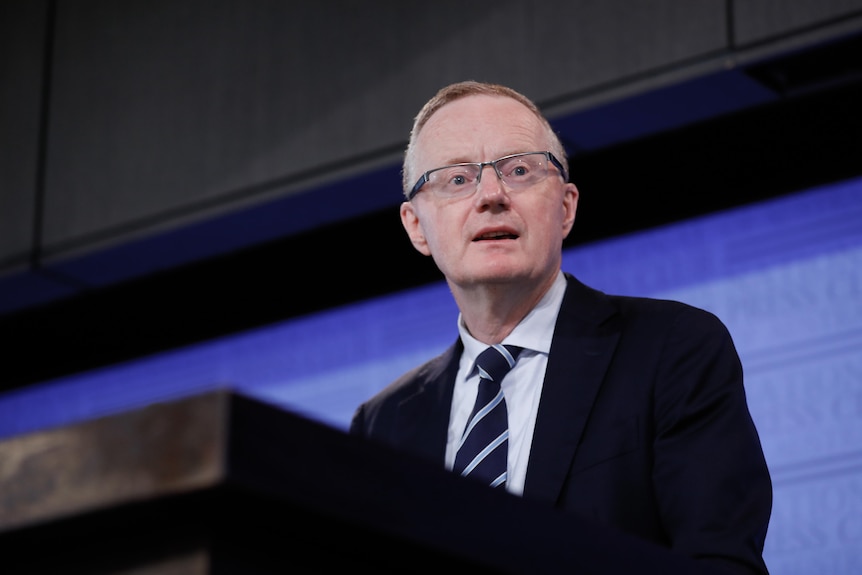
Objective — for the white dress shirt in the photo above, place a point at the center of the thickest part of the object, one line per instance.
(522, 387)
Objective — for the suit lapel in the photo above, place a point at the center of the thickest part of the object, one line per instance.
(422, 420)
(580, 354)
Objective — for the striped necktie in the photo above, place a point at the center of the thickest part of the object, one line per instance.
(484, 446)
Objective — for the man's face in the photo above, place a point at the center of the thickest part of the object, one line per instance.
(494, 236)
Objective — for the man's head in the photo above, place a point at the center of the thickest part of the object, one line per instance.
(497, 228)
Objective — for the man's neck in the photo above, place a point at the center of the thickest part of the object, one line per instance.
(492, 311)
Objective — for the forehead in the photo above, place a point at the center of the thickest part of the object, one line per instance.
(479, 128)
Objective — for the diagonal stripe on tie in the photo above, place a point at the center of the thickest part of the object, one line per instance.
(484, 446)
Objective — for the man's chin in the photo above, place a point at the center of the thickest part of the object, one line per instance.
(499, 275)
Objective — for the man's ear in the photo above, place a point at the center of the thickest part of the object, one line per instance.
(413, 226)
(570, 207)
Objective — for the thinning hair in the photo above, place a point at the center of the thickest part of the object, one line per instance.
(459, 90)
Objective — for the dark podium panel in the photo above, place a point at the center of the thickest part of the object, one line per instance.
(223, 484)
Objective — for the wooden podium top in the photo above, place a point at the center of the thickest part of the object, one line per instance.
(222, 480)
(151, 452)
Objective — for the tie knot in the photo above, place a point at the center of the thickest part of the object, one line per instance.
(496, 361)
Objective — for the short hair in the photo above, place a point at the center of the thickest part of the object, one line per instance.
(460, 90)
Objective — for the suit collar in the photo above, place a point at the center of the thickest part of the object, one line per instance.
(580, 355)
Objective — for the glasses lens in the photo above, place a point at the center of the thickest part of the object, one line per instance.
(456, 180)
(523, 170)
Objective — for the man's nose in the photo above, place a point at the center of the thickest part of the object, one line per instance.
(490, 189)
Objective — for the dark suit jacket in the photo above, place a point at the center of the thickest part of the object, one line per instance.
(642, 425)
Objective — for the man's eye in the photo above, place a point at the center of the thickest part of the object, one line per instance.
(518, 171)
(459, 177)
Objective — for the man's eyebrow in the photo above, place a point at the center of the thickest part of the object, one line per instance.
(466, 160)
(457, 160)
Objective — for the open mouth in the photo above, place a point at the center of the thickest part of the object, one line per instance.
(500, 235)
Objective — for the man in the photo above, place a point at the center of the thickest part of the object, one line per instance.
(627, 411)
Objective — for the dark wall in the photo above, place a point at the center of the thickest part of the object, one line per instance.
(171, 171)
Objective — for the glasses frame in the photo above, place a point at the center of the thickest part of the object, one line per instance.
(424, 178)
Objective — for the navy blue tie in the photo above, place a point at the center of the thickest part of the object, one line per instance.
(484, 447)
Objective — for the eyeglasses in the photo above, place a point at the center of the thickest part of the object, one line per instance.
(518, 171)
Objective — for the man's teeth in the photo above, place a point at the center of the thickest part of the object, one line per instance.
(495, 235)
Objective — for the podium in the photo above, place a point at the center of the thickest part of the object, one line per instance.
(220, 483)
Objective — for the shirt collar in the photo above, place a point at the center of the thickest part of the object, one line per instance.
(535, 332)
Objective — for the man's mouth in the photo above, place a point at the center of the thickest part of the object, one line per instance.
(498, 235)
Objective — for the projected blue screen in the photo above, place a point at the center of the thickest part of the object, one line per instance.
(784, 275)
